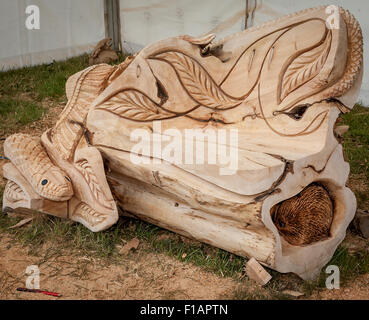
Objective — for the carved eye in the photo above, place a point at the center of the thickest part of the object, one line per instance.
(67, 178)
(298, 112)
(44, 182)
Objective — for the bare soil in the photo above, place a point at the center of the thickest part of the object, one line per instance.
(140, 275)
(355, 290)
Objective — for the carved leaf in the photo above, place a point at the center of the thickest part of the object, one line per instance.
(134, 105)
(305, 67)
(198, 83)
(85, 168)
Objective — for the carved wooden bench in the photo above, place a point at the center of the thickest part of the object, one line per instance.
(278, 88)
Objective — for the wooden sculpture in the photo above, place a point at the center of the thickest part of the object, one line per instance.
(277, 89)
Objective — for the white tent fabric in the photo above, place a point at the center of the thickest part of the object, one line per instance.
(67, 28)
(146, 21)
(72, 27)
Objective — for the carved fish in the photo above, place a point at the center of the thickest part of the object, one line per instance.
(28, 155)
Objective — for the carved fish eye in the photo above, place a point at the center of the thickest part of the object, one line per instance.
(67, 178)
(44, 182)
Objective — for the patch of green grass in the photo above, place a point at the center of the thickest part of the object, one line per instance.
(63, 233)
(23, 90)
(349, 264)
(356, 140)
(221, 262)
(43, 81)
(104, 244)
(362, 198)
(15, 112)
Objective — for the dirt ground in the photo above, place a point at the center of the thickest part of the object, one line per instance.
(357, 290)
(141, 275)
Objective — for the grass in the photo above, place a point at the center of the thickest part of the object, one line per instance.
(209, 258)
(105, 244)
(43, 81)
(23, 91)
(356, 140)
(22, 94)
(350, 266)
(356, 149)
(14, 112)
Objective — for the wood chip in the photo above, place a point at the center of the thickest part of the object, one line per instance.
(293, 293)
(130, 245)
(21, 223)
(341, 130)
(256, 272)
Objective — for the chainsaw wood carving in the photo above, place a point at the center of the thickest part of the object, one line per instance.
(276, 90)
(103, 53)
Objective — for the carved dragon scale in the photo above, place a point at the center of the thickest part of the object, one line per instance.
(282, 85)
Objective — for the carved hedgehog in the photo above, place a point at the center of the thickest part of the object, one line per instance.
(306, 217)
